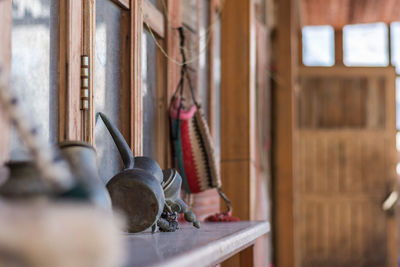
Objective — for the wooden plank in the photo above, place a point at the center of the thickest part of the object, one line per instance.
(162, 108)
(125, 4)
(212, 16)
(136, 24)
(89, 26)
(5, 63)
(153, 19)
(70, 126)
(238, 108)
(172, 47)
(338, 47)
(207, 246)
(283, 133)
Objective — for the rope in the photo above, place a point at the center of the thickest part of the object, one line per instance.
(200, 52)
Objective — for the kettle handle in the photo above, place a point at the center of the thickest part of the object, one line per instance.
(123, 148)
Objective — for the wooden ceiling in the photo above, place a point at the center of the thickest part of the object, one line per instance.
(339, 13)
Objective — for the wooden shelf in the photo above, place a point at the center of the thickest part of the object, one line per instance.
(210, 245)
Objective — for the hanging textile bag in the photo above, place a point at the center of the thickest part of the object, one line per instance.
(193, 146)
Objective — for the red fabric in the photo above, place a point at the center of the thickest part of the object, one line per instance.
(188, 159)
(222, 217)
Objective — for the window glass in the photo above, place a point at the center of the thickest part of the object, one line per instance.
(318, 46)
(395, 43)
(107, 84)
(149, 93)
(34, 66)
(365, 45)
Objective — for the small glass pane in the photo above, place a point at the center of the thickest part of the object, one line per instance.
(318, 46)
(395, 39)
(149, 91)
(34, 67)
(365, 45)
(107, 84)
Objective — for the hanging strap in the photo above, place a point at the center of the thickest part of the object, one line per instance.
(184, 73)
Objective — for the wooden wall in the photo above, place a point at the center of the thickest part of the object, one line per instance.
(345, 166)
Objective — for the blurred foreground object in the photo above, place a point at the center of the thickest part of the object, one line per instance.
(58, 235)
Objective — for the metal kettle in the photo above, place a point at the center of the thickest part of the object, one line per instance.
(136, 190)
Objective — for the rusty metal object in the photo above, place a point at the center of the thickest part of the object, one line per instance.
(136, 190)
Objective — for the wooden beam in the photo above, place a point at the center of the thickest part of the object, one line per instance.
(70, 122)
(338, 47)
(136, 77)
(283, 134)
(153, 19)
(89, 26)
(237, 109)
(172, 47)
(125, 4)
(5, 63)
(212, 16)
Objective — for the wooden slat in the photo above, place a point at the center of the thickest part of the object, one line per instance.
(212, 16)
(283, 133)
(172, 47)
(5, 63)
(70, 126)
(238, 108)
(89, 26)
(136, 25)
(153, 18)
(339, 13)
(125, 4)
(338, 47)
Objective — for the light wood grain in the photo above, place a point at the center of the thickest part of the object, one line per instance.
(339, 13)
(125, 4)
(5, 63)
(238, 109)
(136, 26)
(89, 26)
(154, 18)
(283, 133)
(70, 120)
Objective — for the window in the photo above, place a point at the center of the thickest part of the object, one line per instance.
(318, 46)
(107, 84)
(34, 65)
(365, 45)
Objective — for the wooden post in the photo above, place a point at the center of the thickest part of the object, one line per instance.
(238, 110)
(5, 63)
(338, 47)
(136, 77)
(283, 133)
(89, 25)
(70, 70)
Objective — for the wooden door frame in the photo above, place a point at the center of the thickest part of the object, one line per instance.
(283, 133)
(237, 112)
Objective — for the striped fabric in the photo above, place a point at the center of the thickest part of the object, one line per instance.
(194, 149)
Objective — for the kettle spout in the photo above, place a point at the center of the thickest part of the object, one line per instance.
(123, 148)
